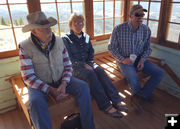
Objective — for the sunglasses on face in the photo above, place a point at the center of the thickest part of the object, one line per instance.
(139, 14)
(78, 23)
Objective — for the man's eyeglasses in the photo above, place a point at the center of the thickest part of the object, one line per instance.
(139, 14)
(78, 23)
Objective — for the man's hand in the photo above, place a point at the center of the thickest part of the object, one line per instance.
(140, 65)
(61, 91)
(88, 67)
(53, 92)
(127, 61)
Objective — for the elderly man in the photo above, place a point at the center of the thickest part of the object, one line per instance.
(46, 69)
(130, 45)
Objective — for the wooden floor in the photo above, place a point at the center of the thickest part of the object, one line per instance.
(151, 117)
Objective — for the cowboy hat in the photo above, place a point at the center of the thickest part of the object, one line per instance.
(38, 20)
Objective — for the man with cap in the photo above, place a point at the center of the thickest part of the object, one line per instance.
(47, 69)
(130, 45)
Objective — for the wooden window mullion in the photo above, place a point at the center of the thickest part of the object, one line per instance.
(114, 5)
(103, 16)
(71, 6)
(58, 21)
(12, 26)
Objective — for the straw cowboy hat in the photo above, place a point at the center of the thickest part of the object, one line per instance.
(38, 20)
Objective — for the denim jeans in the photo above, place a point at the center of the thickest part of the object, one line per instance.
(100, 85)
(156, 73)
(38, 106)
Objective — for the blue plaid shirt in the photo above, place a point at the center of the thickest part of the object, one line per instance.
(124, 41)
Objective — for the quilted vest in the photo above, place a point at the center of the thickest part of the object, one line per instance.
(47, 69)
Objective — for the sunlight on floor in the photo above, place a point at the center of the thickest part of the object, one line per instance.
(129, 93)
(122, 95)
(111, 75)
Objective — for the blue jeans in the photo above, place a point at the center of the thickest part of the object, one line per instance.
(38, 107)
(156, 73)
(100, 85)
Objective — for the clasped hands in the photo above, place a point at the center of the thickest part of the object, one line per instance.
(60, 92)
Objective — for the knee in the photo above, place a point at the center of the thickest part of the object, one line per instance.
(159, 73)
(83, 87)
(91, 74)
(133, 81)
(99, 70)
(36, 102)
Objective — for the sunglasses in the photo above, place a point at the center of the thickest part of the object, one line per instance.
(139, 14)
(78, 23)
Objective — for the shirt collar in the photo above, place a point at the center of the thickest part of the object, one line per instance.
(79, 36)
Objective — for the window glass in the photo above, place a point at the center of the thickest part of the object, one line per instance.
(19, 13)
(78, 0)
(64, 11)
(175, 17)
(78, 8)
(17, 1)
(108, 25)
(64, 28)
(2, 1)
(7, 42)
(153, 25)
(117, 8)
(63, 0)
(154, 10)
(49, 10)
(98, 9)
(109, 9)
(55, 29)
(4, 17)
(98, 27)
(174, 33)
(20, 36)
(47, 0)
(117, 21)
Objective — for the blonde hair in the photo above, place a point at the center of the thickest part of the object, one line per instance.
(75, 16)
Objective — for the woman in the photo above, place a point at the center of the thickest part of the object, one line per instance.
(81, 54)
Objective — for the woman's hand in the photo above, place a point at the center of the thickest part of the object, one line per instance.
(88, 67)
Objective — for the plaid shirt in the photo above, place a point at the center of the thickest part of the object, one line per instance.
(29, 75)
(124, 41)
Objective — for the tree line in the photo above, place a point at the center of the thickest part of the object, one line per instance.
(16, 22)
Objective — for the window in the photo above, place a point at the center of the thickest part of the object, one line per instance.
(101, 17)
(173, 32)
(152, 16)
(61, 10)
(106, 14)
(12, 18)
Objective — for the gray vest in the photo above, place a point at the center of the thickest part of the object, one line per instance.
(47, 69)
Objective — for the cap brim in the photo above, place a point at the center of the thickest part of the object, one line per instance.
(30, 27)
(145, 10)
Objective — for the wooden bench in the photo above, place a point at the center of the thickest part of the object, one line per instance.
(61, 109)
(68, 105)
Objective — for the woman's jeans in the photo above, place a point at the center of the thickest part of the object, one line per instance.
(100, 85)
(156, 73)
(38, 106)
